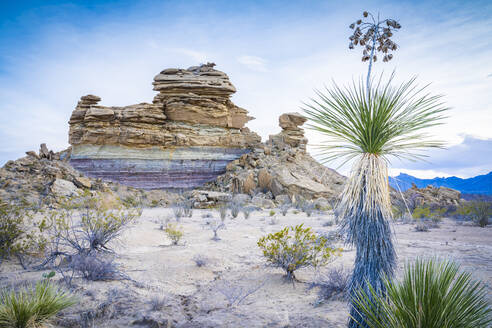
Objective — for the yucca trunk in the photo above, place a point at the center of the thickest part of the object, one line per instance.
(365, 209)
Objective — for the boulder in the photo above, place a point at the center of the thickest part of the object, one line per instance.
(262, 202)
(63, 188)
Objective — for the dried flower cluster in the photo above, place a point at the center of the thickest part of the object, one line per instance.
(374, 36)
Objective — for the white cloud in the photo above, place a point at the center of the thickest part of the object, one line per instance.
(253, 62)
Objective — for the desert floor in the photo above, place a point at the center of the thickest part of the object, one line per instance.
(167, 289)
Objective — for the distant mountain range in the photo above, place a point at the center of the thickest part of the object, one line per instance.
(481, 184)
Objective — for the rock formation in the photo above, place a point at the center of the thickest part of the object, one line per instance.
(183, 139)
(441, 197)
(281, 167)
(46, 177)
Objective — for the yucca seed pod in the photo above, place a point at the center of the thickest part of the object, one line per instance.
(352, 25)
(365, 13)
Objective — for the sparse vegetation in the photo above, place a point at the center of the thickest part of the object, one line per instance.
(284, 209)
(271, 213)
(83, 228)
(200, 260)
(234, 294)
(235, 207)
(215, 226)
(247, 210)
(174, 233)
(332, 284)
(308, 208)
(33, 306)
(296, 247)
(478, 210)
(431, 294)
(223, 212)
(19, 235)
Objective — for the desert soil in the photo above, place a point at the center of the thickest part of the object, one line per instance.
(191, 297)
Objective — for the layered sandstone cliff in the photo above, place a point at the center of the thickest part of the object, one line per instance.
(183, 139)
(281, 167)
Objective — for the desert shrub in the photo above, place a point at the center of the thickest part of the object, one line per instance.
(332, 284)
(235, 208)
(215, 226)
(271, 213)
(247, 210)
(20, 235)
(200, 260)
(431, 294)
(33, 306)
(187, 206)
(296, 247)
(93, 267)
(308, 208)
(299, 202)
(480, 212)
(234, 294)
(84, 225)
(178, 212)
(207, 216)
(422, 226)
(157, 302)
(173, 232)
(223, 212)
(284, 209)
(131, 201)
(421, 212)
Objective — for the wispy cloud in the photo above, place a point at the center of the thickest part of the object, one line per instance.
(253, 62)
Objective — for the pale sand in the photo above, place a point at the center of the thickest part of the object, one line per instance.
(157, 268)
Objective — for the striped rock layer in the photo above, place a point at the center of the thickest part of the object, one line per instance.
(183, 139)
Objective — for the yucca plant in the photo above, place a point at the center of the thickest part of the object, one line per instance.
(371, 129)
(431, 294)
(33, 307)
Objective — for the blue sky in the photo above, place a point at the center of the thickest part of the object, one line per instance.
(53, 52)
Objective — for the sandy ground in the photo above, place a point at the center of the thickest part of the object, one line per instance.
(191, 297)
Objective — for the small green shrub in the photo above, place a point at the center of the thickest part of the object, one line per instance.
(431, 295)
(480, 212)
(20, 235)
(174, 233)
(296, 247)
(272, 213)
(33, 307)
(421, 212)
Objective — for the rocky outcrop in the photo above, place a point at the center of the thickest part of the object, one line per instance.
(281, 167)
(39, 180)
(431, 196)
(183, 139)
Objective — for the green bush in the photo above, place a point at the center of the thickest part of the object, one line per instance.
(33, 307)
(174, 232)
(421, 212)
(272, 213)
(20, 235)
(296, 247)
(431, 295)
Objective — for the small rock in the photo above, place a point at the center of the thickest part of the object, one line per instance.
(82, 182)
